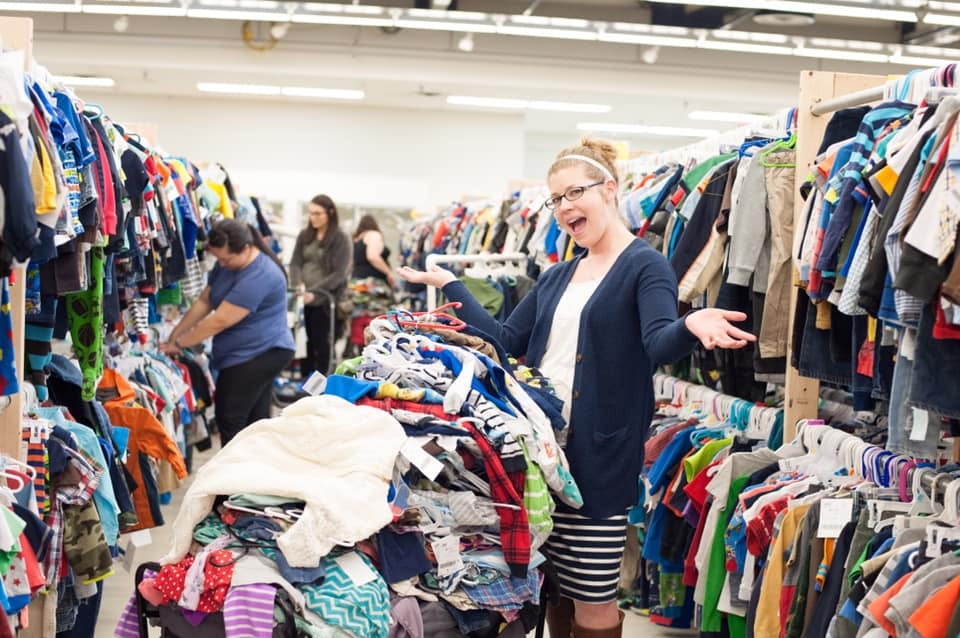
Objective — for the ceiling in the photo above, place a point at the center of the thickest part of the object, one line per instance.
(417, 68)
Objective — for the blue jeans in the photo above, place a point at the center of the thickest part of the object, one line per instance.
(815, 360)
(901, 415)
(937, 369)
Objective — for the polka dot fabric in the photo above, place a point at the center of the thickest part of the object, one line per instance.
(217, 576)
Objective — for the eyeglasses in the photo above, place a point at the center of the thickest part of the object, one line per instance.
(571, 194)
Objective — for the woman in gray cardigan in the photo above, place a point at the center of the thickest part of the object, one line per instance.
(321, 262)
(597, 326)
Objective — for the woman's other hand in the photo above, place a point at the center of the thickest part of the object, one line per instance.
(309, 298)
(435, 276)
(714, 328)
(391, 280)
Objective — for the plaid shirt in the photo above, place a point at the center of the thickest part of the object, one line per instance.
(507, 593)
(507, 489)
(78, 494)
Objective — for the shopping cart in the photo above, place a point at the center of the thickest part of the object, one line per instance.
(170, 621)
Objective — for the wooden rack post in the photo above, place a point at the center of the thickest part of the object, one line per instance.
(802, 393)
(16, 34)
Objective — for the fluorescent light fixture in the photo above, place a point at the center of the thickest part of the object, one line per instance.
(362, 8)
(744, 47)
(533, 105)
(351, 21)
(437, 25)
(915, 62)
(819, 8)
(839, 54)
(751, 36)
(238, 89)
(288, 91)
(133, 10)
(84, 80)
(725, 116)
(942, 19)
(643, 129)
(543, 21)
(541, 32)
(330, 94)
(43, 7)
(647, 40)
(229, 14)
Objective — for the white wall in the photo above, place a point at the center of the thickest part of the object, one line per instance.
(380, 157)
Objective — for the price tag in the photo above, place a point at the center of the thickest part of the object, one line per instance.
(355, 567)
(447, 551)
(921, 420)
(424, 462)
(135, 540)
(835, 513)
(315, 384)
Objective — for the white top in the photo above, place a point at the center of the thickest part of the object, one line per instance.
(560, 358)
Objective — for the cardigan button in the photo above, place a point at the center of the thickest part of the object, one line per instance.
(576, 394)
(579, 358)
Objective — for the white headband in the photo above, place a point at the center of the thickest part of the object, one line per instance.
(591, 162)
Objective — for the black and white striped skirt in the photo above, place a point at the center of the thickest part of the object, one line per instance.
(587, 553)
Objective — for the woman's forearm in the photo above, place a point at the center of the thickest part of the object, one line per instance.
(197, 311)
(381, 265)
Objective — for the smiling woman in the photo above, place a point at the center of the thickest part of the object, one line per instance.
(597, 326)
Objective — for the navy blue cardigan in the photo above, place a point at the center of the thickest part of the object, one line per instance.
(628, 327)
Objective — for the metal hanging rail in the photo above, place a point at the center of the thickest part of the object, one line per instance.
(857, 98)
(433, 260)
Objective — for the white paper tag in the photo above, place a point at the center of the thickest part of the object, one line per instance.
(424, 462)
(129, 552)
(835, 513)
(141, 537)
(447, 551)
(921, 420)
(315, 384)
(354, 567)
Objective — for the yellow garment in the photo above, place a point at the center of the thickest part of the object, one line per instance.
(768, 605)
(226, 206)
(392, 391)
(568, 255)
(823, 316)
(46, 194)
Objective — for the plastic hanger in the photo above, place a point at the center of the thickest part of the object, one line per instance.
(96, 108)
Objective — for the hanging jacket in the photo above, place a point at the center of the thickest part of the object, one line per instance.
(147, 437)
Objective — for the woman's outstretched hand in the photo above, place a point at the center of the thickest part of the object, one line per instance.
(713, 327)
(435, 276)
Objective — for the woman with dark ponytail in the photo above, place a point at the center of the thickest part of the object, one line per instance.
(320, 264)
(244, 309)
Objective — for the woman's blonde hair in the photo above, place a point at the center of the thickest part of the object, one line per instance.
(598, 150)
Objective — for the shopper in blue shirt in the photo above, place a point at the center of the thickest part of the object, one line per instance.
(244, 309)
(598, 326)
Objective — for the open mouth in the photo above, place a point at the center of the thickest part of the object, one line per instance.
(577, 224)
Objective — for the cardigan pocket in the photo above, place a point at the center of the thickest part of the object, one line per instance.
(616, 437)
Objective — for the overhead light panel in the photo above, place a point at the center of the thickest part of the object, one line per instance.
(43, 7)
(744, 47)
(133, 10)
(86, 80)
(726, 116)
(643, 129)
(842, 54)
(518, 104)
(288, 91)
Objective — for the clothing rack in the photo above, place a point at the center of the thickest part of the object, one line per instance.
(486, 258)
(16, 34)
(821, 93)
(753, 420)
